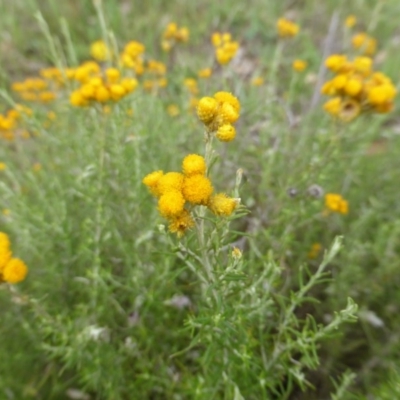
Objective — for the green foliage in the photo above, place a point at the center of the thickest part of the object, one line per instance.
(115, 306)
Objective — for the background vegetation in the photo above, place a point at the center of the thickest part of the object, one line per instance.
(109, 309)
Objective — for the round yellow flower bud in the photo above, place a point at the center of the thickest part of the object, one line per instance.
(171, 204)
(197, 189)
(207, 109)
(15, 271)
(226, 133)
(194, 164)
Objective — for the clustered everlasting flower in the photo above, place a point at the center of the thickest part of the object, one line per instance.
(100, 87)
(12, 270)
(179, 192)
(286, 28)
(365, 43)
(356, 88)
(225, 47)
(155, 75)
(132, 57)
(173, 35)
(218, 114)
(336, 203)
(10, 123)
(34, 89)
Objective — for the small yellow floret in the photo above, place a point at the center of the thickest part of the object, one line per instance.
(170, 181)
(226, 133)
(15, 271)
(151, 181)
(181, 223)
(333, 106)
(197, 189)
(222, 205)
(171, 204)
(228, 113)
(350, 21)
(207, 109)
(194, 164)
(226, 97)
(299, 65)
(353, 87)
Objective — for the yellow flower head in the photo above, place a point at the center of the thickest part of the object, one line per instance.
(197, 189)
(205, 73)
(333, 106)
(170, 181)
(335, 202)
(365, 43)
(173, 110)
(226, 133)
(151, 181)
(350, 21)
(99, 51)
(286, 28)
(207, 109)
(353, 87)
(257, 81)
(15, 271)
(181, 223)
(299, 65)
(194, 164)
(171, 204)
(222, 205)
(228, 113)
(226, 97)
(336, 62)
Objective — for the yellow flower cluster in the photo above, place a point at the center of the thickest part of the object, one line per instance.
(172, 35)
(101, 87)
(365, 43)
(356, 88)
(34, 89)
(225, 47)
(155, 74)
(10, 123)
(218, 114)
(100, 51)
(336, 203)
(12, 270)
(132, 57)
(286, 28)
(179, 192)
